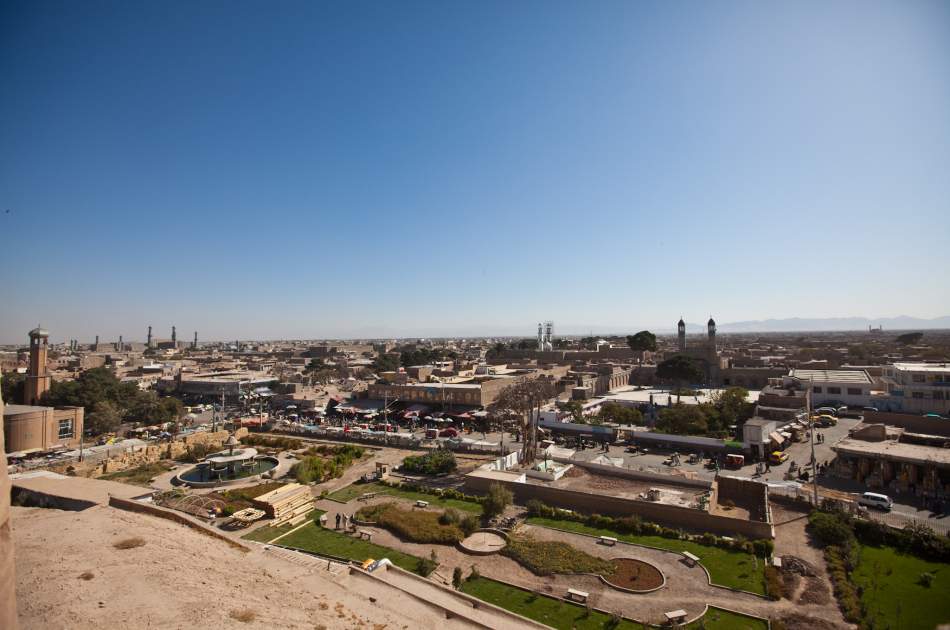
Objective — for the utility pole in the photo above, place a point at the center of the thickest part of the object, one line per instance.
(814, 460)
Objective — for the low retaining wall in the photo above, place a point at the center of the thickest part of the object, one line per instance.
(154, 510)
(670, 515)
(642, 475)
(33, 498)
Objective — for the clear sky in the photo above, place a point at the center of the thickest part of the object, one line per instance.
(317, 169)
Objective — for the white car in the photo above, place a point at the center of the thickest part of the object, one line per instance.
(875, 500)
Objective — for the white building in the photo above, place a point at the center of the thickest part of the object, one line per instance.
(919, 387)
(850, 387)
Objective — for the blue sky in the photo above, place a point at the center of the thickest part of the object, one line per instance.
(252, 169)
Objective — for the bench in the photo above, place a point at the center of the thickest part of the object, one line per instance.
(367, 496)
(610, 541)
(362, 533)
(422, 504)
(675, 616)
(691, 559)
(577, 596)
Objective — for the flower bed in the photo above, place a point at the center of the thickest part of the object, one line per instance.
(634, 575)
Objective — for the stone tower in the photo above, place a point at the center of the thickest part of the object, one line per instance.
(711, 328)
(681, 331)
(174, 336)
(194, 344)
(148, 341)
(37, 380)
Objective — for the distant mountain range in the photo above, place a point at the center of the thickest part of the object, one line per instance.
(796, 324)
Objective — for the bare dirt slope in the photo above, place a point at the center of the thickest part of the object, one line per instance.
(69, 574)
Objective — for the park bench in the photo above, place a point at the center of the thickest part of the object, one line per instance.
(577, 596)
(691, 559)
(675, 616)
(610, 541)
(422, 504)
(362, 533)
(367, 496)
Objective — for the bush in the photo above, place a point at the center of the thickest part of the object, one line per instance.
(474, 575)
(763, 547)
(774, 585)
(436, 462)
(469, 524)
(549, 557)
(425, 566)
(535, 507)
(830, 529)
(926, 579)
(413, 525)
(499, 497)
(457, 577)
(837, 560)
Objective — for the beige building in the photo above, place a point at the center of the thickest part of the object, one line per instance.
(29, 428)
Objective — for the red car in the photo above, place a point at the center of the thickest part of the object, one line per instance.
(449, 432)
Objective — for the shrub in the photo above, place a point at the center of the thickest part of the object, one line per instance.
(837, 560)
(499, 497)
(469, 524)
(535, 507)
(830, 529)
(474, 575)
(763, 547)
(774, 585)
(450, 517)
(413, 525)
(425, 566)
(129, 543)
(457, 577)
(432, 463)
(548, 557)
(926, 579)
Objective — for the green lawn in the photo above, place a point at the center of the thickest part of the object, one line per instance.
(347, 494)
(564, 616)
(266, 534)
(892, 595)
(318, 539)
(726, 567)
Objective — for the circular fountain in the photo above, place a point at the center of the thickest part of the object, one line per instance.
(228, 466)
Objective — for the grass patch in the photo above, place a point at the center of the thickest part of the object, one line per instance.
(546, 557)
(565, 616)
(347, 494)
(420, 526)
(726, 567)
(141, 475)
(893, 594)
(129, 543)
(320, 540)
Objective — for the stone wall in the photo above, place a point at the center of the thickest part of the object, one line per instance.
(914, 423)
(7, 581)
(587, 503)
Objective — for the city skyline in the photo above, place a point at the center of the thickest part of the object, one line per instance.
(353, 170)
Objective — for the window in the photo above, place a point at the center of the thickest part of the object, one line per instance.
(920, 378)
(854, 391)
(65, 429)
(938, 395)
(918, 395)
(834, 390)
(816, 389)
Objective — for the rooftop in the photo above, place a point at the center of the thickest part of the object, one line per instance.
(15, 410)
(833, 376)
(923, 367)
(894, 450)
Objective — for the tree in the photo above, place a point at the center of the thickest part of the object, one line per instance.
(525, 399)
(457, 578)
(909, 339)
(732, 406)
(643, 341)
(679, 369)
(613, 412)
(682, 420)
(386, 363)
(13, 384)
(105, 417)
(498, 498)
(576, 409)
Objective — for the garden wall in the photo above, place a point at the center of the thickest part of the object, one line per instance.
(588, 503)
(643, 475)
(154, 510)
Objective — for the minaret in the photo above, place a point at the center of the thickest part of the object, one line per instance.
(148, 342)
(194, 344)
(121, 347)
(540, 337)
(174, 337)
(681, 331)
(711, 328)
(37, 380)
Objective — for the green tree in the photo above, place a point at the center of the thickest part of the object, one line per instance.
(498, 498)
(576, 409)
(643, 341)
(909, 339)
(613, 412)
(386, 363)
(13, 387)
(679, 369)
(105, 417)
(682, 420)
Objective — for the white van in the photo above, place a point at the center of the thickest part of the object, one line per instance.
(874, 500)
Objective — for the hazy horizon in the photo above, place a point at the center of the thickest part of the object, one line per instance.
(371, 169)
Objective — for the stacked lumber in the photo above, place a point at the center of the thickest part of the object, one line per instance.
(289, 503)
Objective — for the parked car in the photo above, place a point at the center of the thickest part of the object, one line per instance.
(825, 420)
(831, 411)
(449, 432)
(877, 501)
(777, 457)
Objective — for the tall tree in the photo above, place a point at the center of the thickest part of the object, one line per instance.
(680, 369)
(643, 341)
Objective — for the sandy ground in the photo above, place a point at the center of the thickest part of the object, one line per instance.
(69, 575)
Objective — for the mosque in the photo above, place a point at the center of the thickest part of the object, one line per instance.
(705, 353)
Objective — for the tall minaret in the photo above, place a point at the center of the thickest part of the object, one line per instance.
(711, 328)
(681, 331)
(148, 341)
(120, 347)
(37, 380)
(540, 337)
(194, 344)
(173, 335)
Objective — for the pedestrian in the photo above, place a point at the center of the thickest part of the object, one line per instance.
(338, 520)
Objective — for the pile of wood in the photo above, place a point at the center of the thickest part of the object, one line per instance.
(288, 504)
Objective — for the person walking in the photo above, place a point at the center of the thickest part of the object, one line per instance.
(338, 520)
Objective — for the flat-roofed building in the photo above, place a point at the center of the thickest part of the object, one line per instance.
(31, 428)
(851, 387)
(918, 387)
